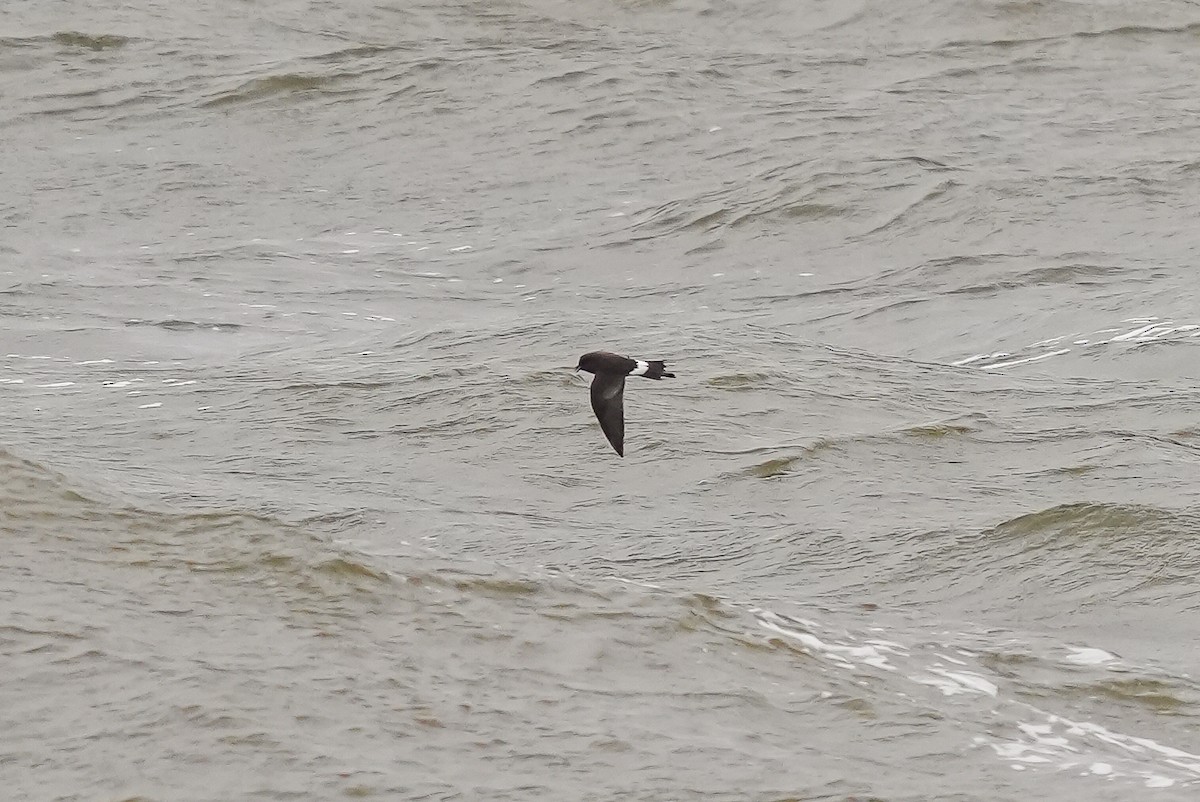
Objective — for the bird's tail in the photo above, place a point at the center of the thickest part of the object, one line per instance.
(657, 370)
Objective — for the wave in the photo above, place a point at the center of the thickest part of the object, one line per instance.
(55, 515)
(1131, 333)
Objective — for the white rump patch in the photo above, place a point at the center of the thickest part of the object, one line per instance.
(641, 369)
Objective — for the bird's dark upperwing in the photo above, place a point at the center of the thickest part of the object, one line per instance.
(608, 402)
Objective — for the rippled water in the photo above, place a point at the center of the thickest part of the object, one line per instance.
(302, 500)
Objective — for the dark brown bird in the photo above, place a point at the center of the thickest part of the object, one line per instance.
(608, 389)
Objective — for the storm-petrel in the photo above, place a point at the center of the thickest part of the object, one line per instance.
(608, 389)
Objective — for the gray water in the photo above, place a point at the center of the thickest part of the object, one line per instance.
(300, 498)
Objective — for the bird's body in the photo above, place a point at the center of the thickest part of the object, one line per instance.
(608, 389)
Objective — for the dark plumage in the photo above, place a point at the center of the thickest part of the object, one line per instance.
(608, 389)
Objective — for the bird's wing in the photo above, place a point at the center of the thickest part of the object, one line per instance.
(608, 402)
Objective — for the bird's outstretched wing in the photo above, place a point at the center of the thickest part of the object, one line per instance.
(608, 402)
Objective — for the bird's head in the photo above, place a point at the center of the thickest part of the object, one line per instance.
(588, 362)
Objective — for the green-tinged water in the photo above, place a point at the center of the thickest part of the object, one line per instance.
(301, 500)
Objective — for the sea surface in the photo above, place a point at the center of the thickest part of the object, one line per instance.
(300, 498)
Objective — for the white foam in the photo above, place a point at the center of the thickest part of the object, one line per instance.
(1017, 751)
(1024, 736)
(1037, 731)
(977, 357)
(1086, 656)
(1136, 333)
(1037, 358)
(1066, 743)
(838, 653)
(959, 682)
(1145, 330)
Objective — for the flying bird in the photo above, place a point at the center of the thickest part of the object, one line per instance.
(608, 389)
